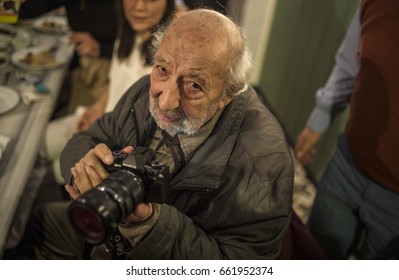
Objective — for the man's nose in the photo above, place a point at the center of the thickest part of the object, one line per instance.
(169, 99)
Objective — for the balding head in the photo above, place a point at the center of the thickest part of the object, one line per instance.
(208, 31)
(204, 28)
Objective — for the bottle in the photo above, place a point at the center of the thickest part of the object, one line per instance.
(9, 11)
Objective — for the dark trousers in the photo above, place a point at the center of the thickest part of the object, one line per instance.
(353, 214)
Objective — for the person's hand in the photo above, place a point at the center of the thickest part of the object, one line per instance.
(90, 170)
(141, 212)
(305, 145)
(85, 44)
(88, 117)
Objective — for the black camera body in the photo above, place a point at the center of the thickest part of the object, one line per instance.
(134, 178)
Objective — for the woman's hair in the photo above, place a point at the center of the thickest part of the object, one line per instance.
(127, 36)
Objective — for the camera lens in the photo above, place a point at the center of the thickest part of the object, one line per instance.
(88, 223)
(96, 211)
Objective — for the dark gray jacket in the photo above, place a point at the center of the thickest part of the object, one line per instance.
(231, 200)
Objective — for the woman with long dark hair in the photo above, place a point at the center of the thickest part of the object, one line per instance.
(137, 21)
(131, 59)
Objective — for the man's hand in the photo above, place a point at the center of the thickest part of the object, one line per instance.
(304, 148)
(142, 212)
(85, 44)
(90, 170)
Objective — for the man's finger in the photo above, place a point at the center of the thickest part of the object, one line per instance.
(104, 154)
(94, 177)
(82, 180)
(127, 150)
(73, 193)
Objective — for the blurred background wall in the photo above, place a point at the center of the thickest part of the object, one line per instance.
(294, 43)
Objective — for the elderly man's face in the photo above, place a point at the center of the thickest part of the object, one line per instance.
(187, 83)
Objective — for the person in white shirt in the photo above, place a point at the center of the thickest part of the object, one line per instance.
(130, 61)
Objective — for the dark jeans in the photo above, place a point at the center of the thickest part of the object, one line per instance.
(352, 213)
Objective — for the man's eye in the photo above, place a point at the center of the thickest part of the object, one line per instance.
(162, 70)
(194, 86)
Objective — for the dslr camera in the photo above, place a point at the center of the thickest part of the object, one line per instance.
(134, 178)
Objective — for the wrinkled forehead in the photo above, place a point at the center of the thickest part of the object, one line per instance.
(207, 23)
(201, 35)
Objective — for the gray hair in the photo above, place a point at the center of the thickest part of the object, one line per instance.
(239, 65)
(239, 60)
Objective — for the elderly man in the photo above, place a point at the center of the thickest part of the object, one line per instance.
(231, 168)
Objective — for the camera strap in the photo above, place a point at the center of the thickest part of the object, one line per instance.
(116, 247)
(119, 244)
(173, 143)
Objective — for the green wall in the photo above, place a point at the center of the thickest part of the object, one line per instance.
(304, 37)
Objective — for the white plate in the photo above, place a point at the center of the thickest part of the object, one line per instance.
(22, 40)
(9, 98)
(51, 24)
(60, 58)
(13, 36)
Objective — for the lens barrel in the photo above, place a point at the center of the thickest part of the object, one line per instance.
(93, 213)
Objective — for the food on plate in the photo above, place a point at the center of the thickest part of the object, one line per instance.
(41, 58)
(53, 26)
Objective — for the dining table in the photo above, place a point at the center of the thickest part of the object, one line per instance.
(23, 123)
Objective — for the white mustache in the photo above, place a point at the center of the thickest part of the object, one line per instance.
(173, 114)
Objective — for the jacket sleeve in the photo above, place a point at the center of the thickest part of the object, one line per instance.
(335, 96)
